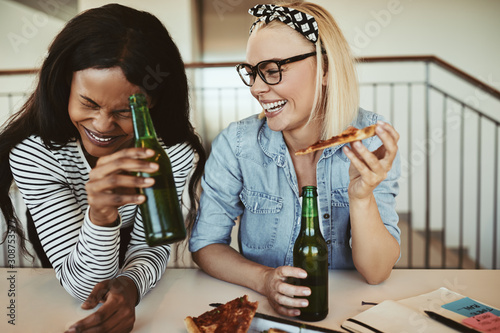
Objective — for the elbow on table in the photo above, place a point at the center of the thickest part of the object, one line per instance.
(376, 272)
(196, 257)
(202, 257)
(376, 280)
(377, 276)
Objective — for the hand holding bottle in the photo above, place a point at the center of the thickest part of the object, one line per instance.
(112, 183)
(284, 297)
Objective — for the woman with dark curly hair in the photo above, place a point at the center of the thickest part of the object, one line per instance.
(70, 151)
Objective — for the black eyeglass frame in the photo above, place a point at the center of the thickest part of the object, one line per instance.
(279, 63)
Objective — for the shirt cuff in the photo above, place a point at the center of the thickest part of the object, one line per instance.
(102, 229)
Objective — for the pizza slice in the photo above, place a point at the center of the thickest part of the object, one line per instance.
(351, 134)
(234, 316)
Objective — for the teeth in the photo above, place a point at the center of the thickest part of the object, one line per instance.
(272, 107)
(99, 138)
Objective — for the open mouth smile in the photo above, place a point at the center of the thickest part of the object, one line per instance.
(274, 106)
(100, 140)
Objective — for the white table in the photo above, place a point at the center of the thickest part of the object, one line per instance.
(42, 305)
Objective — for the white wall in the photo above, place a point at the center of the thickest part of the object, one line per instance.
(175, 15)
(26, 35)
(462, 32)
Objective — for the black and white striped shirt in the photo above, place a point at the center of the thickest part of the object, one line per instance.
(52, 183)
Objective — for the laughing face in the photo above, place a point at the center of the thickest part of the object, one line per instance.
(288, 104)
(98, 107)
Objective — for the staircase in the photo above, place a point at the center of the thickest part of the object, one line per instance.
(439, 256)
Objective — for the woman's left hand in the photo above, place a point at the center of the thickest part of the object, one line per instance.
(117, 313)
(368, 169)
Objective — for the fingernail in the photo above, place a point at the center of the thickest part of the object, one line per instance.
(150, 152)
(380, 129)
(149, 181)
(307, 292)
(302, 275)
(154, 166)
(85, 305)
(304, 304)
(71, 330)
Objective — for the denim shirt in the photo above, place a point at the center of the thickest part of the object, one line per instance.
(250, 174)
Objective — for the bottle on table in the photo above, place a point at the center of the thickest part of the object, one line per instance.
(161, 212)
(310, 253)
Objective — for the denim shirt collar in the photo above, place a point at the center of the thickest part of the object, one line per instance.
(272, 144)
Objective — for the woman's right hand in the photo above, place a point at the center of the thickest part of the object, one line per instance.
(112, 185)
(285, 298)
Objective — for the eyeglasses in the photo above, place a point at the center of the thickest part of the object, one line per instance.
(268, 70)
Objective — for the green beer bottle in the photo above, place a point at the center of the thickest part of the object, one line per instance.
(310, 253)
(161, 212)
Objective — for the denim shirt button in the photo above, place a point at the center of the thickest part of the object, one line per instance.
(328, 242)
(326, 216)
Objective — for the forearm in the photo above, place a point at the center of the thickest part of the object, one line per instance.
(374, 249)
(93, 259)
(144, 264)
(233, 268)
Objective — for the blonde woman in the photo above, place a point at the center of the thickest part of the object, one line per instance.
(300, 69)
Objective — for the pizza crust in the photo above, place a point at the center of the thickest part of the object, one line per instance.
(191, 326)
(351, 134)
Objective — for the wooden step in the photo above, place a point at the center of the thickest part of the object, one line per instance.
(435, 251)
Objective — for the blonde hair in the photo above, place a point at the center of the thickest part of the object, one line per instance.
(336, 103)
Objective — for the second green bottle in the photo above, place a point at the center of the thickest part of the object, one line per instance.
(310, 253)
